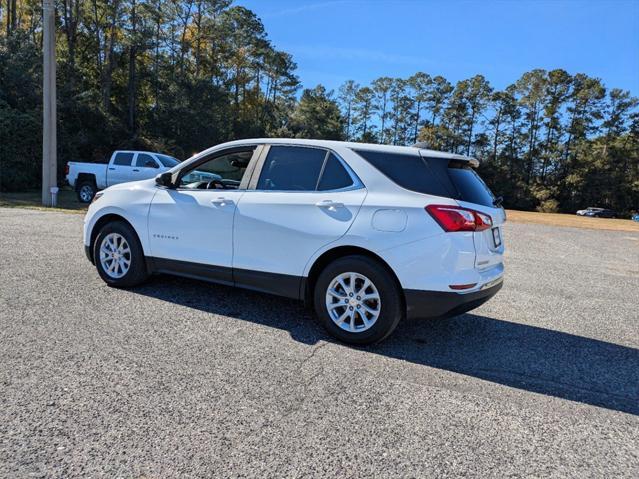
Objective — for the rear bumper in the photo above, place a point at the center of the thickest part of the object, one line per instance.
(435, 304)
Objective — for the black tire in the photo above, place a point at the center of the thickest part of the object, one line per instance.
(86, 191)
(391, 309)
(137, 272)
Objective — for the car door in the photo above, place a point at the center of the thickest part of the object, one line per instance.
(146, 166)
(299, 200)
(120, 170)
(191, 225)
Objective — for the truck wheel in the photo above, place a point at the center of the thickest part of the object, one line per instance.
(358, 300)
(118, 255)
(86, 191)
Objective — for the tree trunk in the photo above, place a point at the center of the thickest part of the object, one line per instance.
(470, 133)
(98, 39)
(108, 72)
(14, 16)
(71, 20)
(496, 140)
(132, 71)
(198, 39)
(417, 122)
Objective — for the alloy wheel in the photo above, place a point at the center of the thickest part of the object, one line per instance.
(353, 302)
(115, 255)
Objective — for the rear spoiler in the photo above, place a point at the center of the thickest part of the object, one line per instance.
(474, 162)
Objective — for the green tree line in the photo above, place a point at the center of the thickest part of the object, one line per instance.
(179, 76)
(551, 141)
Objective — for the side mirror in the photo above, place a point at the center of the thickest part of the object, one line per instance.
(165, 179)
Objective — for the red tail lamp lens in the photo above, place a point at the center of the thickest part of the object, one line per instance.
(456, 218)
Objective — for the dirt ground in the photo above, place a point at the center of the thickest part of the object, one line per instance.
(573, 221)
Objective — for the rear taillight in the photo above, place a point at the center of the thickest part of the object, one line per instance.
(456, 218)
(66, 169)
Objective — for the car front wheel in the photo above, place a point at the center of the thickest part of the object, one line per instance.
(118, 256)
(358, 300)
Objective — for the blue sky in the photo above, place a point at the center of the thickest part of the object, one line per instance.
(336, 40)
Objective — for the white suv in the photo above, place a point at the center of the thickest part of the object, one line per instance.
(368, 234)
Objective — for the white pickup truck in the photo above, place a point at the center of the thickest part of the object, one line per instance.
(88, 178)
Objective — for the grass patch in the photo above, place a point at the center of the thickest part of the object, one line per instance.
(67, 201)
(573, 221)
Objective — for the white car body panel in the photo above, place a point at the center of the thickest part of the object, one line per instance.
(131, 201)
(277, 232)
(193, 226)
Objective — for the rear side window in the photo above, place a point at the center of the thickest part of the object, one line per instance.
(334, 175)
(146, 161)
(123, 159)
(291, 168)
(408, 171)
(432, 176)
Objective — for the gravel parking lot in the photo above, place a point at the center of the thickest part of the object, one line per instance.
(180, 377)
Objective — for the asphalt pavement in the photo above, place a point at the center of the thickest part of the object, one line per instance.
(183, 378)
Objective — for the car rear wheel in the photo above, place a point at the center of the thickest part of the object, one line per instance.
(86, 191)
(118, 256)
(357, 300)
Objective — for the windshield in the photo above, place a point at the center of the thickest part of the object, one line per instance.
(167, 161)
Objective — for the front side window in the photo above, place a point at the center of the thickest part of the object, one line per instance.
(220, 172)
(146, 161)
(123, 159)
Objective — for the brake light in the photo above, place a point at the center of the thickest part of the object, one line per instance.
(456, 218)
(66, 169)
(483, 221)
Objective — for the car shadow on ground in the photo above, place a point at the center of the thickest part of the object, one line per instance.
(521, 356)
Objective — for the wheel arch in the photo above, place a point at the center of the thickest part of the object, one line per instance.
(335, 253)
(85, 177)
(103, 220)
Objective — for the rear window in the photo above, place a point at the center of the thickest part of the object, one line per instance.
(470, 186)
(431, 176)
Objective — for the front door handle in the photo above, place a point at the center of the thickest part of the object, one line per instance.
(135, 169)
(329, 204)
(221, 201)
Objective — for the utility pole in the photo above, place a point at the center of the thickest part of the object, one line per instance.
(49, 160)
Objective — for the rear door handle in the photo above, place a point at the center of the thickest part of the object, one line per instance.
(111, 168)
(135, 169)
(329, 204)
(221, 201)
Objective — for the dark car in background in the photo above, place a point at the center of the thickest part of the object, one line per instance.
(597, 212)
